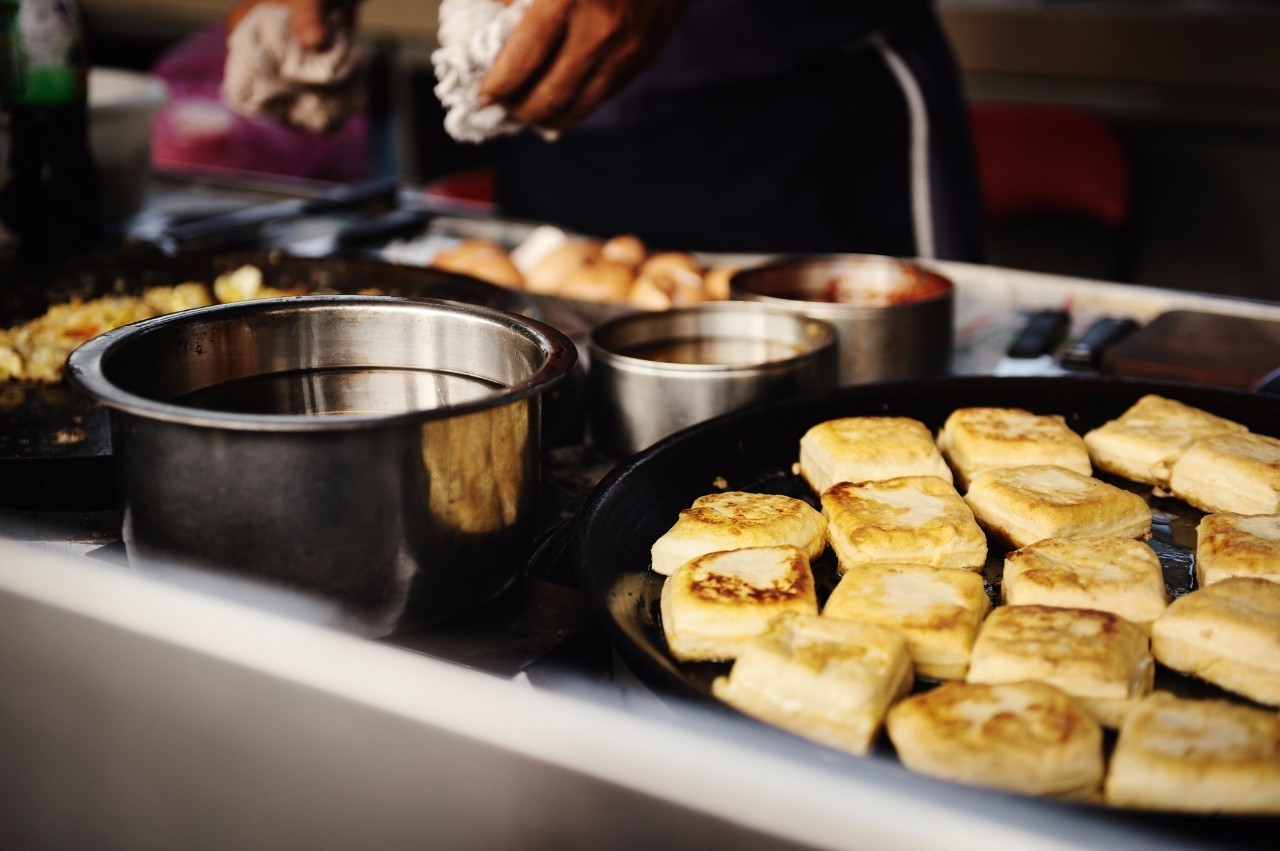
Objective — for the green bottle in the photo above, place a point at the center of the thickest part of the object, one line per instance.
(50, 197)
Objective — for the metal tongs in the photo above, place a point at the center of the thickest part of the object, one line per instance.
(224, 230)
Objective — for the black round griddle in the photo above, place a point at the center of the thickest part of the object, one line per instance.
(754, 450)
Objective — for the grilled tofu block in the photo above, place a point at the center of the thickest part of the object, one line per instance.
(1237, 545)
(826, 680)
(1021, 737)
(938, 611)
(1118, 575)
(974, 440)
(1143, 442)
(1028, 504)
(1098, 658)
(732, 520)
(1228, 634)
(713, 605)
(1209, 756)
(868, 449)
(910, 520)
(1239, 473)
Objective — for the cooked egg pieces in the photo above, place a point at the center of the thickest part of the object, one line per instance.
(734, 519)
(1111, 574)
(1025, 737)
(1143, 442)
(977, 439)
(868, 449)
(1228, 634)
(1238, 473)
(1028, 504)
(713, 605)
(827, 680)
(1210, 756)
(938, 611)
(909, 520)
(1098, 658)
(1237, 545)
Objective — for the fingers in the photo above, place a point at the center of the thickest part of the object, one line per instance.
(532, 44)
(567, 56)
(580, 64)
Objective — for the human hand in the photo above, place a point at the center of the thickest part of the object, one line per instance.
(566, 56)
(310, 18)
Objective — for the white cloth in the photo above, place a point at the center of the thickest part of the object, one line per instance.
(268, 72)
(471, 34)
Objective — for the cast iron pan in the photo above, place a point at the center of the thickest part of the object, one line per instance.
(55, 444)
(754, 450)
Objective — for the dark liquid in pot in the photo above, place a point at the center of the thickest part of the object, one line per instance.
(348, 390)
(715, 350)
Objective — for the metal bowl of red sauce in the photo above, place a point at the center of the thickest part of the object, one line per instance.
(894, 317)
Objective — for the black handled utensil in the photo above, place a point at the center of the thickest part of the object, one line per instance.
(239, 227)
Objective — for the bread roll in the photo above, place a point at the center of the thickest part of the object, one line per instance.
(598, 280)
(482, 259)
(625, 250)
(550, 272)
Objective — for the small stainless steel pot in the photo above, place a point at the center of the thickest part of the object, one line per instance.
(652, 374)
(885, 342)
(379, 453)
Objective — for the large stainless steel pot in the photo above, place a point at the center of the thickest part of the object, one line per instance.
(379, 453)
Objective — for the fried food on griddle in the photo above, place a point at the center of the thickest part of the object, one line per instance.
(713, 605)
(827, 680)
(1028, 504)
(974, 440)
(938, 611)
(1098, 658)
(1021, 737)
(1236, 472)
(1237, 545)
(909, 520)
(1228, 634)
(1111, 574)
(1143, 442)
(732, 520)
(1207, 756)
(38, 350)
(867, 449)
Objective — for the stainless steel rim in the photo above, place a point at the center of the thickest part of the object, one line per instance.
(601, 352)
(86, 372)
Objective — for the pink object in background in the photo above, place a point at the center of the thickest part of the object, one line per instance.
(197, 131)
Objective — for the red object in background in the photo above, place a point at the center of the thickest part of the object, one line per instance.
(1037, 159)
(469, 188)
(198, 131)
